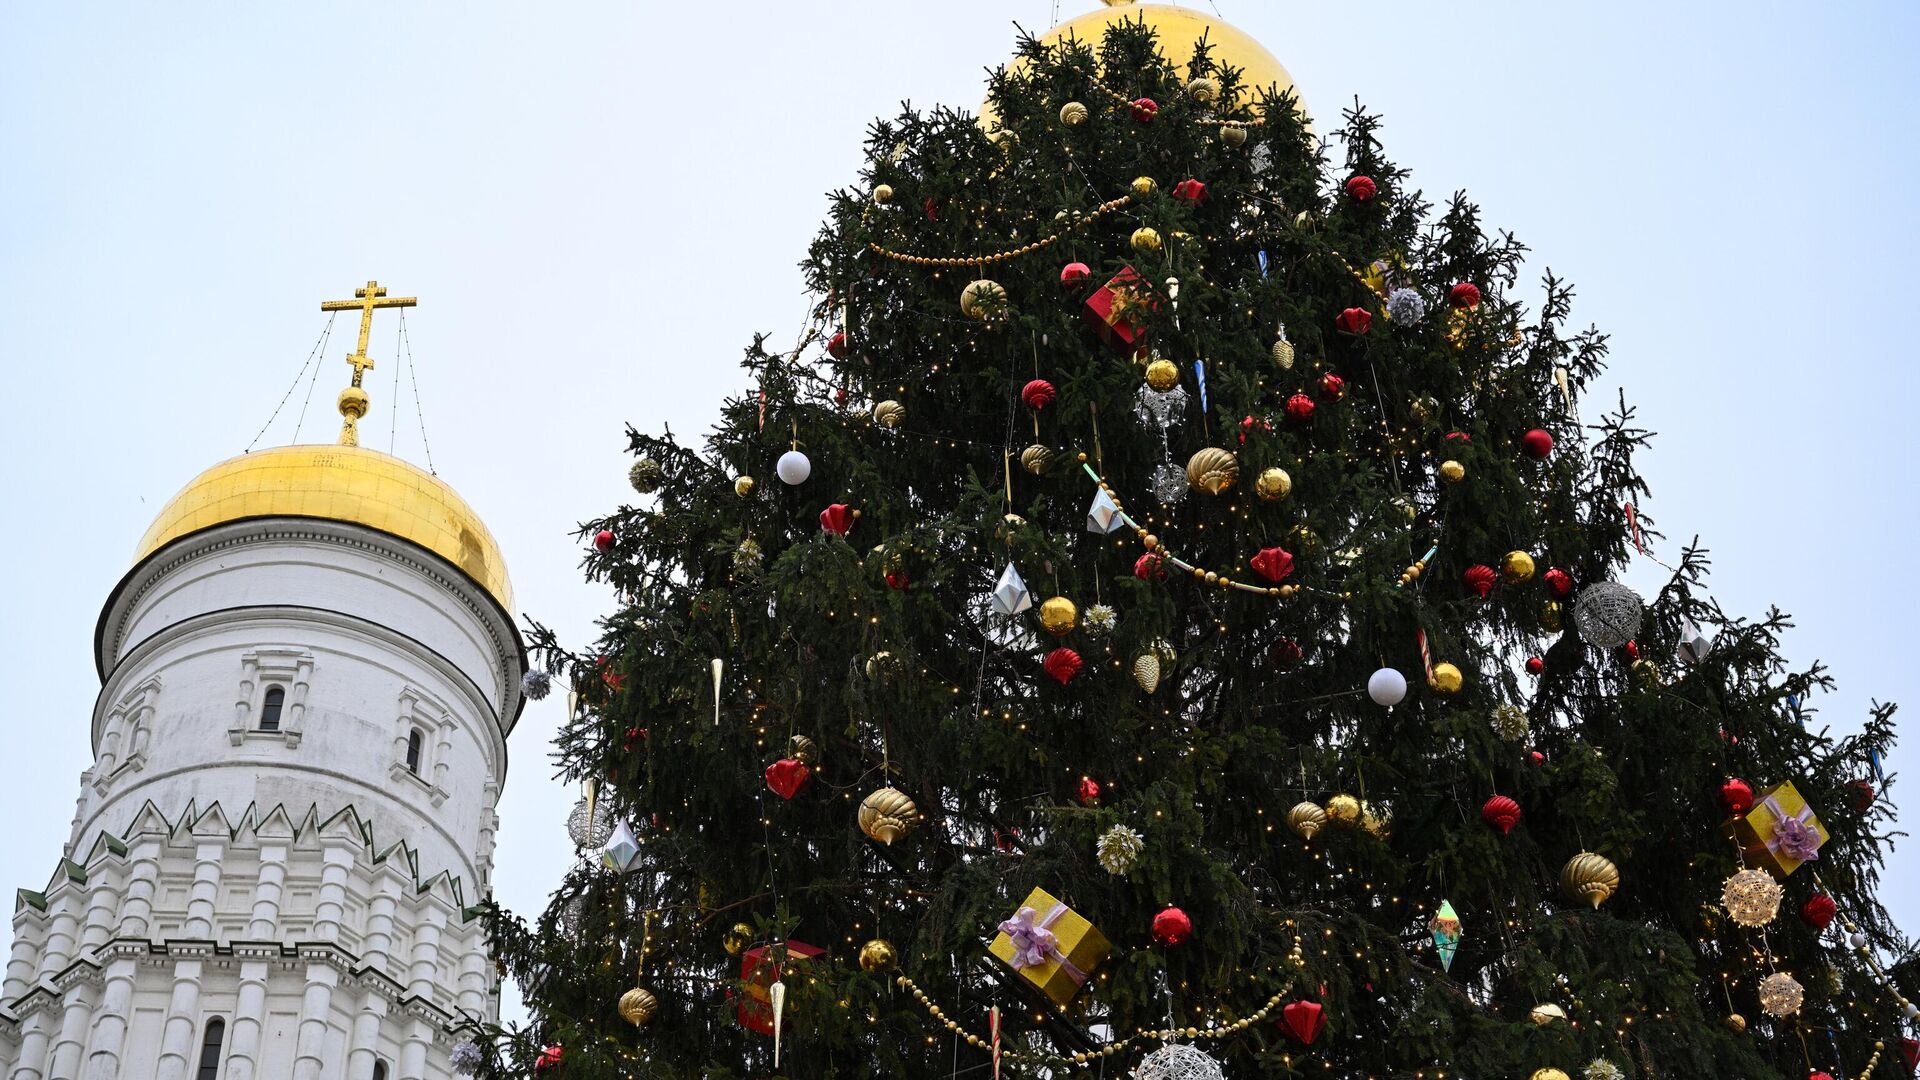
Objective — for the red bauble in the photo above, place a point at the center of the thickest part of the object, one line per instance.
(1273, 563)
(896, 579)
(1500, 812)
(1863, 795)
(1558, 582)
(1536, 758)
(1632, 649)
(1818, 911)
(603, 540)
(1038, 394)
(1464, 295)
(1303, 1020)
(1063, 664)
(1192, 191)
(1816, 1075)
(787, 776)
(1144, 109)
(1538, 443)
(1249, 424)
(1736, 797)
(1361, 188)
(837, 345)
(1172, 927)
(1332, 387)
(1299, 408)
(1286, 652)
(550, 1058)
(1535, 665)
(1089, 791)
(1910, 1053)
(1150, 567)
(837, 519)
(1073, 274)
(1479, 579)
(1354, 320)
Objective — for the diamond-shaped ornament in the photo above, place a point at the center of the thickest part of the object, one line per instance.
(622, 852)
(1446, 934)
(1103, 517)
(1010, 596)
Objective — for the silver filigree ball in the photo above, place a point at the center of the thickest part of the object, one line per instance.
(589, 825)
(1177, 1061)
(1168, 483)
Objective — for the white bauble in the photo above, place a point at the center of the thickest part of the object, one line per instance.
(794, 468)
(1387, 687)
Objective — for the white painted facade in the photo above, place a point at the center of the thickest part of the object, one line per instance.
(304, 886)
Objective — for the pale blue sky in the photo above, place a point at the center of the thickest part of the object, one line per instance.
(598, 204)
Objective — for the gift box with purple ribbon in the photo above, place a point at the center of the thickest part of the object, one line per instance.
(1050, 945)
(1781, 831)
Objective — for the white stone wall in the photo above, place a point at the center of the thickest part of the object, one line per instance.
(303, 885)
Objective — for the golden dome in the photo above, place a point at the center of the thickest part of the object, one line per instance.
(338, 483)
(1178, 29)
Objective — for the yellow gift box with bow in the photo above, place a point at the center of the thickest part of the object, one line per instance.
(1780, 832)
(1050, 945)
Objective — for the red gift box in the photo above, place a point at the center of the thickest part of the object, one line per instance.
(759, 969)
(1114, 309)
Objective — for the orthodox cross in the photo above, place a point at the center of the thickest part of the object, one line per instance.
(373, 296)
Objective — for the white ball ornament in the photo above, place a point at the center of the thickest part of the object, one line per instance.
(1177, 1061)
(1387, 687)
(793, 468)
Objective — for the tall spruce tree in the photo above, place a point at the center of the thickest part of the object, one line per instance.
(1151, 441)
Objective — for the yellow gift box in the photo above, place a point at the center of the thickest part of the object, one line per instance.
(1759, 832)
(1050, 945)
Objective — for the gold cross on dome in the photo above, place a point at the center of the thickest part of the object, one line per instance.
(373, 296)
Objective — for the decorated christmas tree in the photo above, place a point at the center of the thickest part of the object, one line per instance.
(1164, 618)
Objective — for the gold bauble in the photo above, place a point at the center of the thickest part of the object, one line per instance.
(982, 299)
(1303, 539)
(881, 665)
(1517, 567)
(1446, 680)
(1406, 508)
(1273, 484)
(1452, 471)
(1146, 671)
(1203, 90)
(1177, 30)
(1547, 1014)
(1036, 458)
(638, 1005)
(1552, 618)
(1146, 240)
(1375, 820)
(803, 749)
(1736, 1023)
(1143, 186)
(743, 486)
(1233, 135)
(1163, 375)
(883, 193)
(1307, 819)
(888, 814)
(1591, 877)
(1073, 114)
(1344, 810)
(889, 414)
(736, 939)
(878, 955)
(1213, 470)
(1646, 673)
(1548, 1074)
(1058, 616)
(1283, 354)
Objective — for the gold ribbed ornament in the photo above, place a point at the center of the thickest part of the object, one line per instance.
(1307, 819)
(638, 1005)
(1073, 114)
(803, 749)
(1058, 616)
(878, 955)
(1344, 810)
(1547, 1014)
(1204, 90)
(1036, 459)
(1590, 877)
(1273, 484)
(888, 814)
(889, 414)
(982, 299)
(1213, 470)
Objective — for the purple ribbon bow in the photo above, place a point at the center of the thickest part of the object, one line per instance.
(1033, 942)
(1792, 836)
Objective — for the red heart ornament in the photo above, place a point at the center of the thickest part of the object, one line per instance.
(838, 519)
(1273, 563)
(1500, 812)
(1354, 320)
(787, 776)
(1193, 191)
(1303, 1020)
(1063, 664)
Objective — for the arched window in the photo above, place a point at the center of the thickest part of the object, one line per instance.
(270, 709)
(379, 1070)
(413, 751)
(210, 1049)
